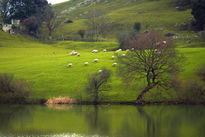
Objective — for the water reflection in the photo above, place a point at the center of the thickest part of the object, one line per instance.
(103, 120)
(59, 106)
(14, 114)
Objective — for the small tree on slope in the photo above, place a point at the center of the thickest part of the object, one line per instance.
(95, 83)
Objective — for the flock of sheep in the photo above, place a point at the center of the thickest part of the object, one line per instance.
(74, 53)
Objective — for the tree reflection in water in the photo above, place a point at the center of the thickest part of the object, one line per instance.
(150, 122)
(10, 114)
(104, 120)
(97, 120)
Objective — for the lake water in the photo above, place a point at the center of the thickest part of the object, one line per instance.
(102, 121)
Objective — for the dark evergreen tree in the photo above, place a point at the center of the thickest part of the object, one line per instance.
(4, 10)
(22, 9)
(137, 26)
(198, 11)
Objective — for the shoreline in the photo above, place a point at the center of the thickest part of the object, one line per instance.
(43, 102)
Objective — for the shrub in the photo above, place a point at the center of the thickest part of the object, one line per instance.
(81, 33)
(176, 83)
(124, 37)
(31, 25)
(137, 26)
(13, 91)
(193, 92)
(202, 36)
(201, 72)
(95, 83)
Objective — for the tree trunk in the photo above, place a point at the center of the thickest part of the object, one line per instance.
(96, 97)
(50, 33)
(142, 94)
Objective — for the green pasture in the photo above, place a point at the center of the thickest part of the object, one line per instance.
(160, 15)
(44, 66)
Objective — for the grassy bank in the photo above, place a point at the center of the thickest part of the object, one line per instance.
(44, 66)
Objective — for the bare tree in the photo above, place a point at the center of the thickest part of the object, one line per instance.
(96, 81)
(92, 25)
(52, 20)
(153, 58)
(97, 24)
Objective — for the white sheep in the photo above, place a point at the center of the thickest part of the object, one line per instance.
(95, 60)
(104, 50)
(164, 42)
(100, 71)
(123, 55)
(78, 54)
(70, 65)
(133, 49)
(86, 63)
(95, 51)
(73, 53)
(114, 64)
(127, 50)
(157, 51)
(118, 50)
(113, 57)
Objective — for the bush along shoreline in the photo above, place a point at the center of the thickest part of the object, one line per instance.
(12, 90)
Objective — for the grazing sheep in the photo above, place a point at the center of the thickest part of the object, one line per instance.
(95, 51)
(118, 50)
(157, 51)
(114, 64)
(164, 42)
(104, 50)
(73, 53)
(86, 63)
(70, 65)
(133, 49)
(100, 71)
(78, 54)
(123, 55)
(95, 60)
(127, 50)
(113, 57)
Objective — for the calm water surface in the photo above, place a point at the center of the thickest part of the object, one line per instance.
(102, 121)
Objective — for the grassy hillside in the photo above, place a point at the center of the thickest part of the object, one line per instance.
(45, 67)
(160, 15)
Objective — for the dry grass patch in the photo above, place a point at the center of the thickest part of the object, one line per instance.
(61, 100)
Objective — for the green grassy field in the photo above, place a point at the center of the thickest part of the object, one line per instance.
(160, 15)
(45, 67)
